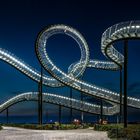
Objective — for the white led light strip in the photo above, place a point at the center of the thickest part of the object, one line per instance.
(116, 32)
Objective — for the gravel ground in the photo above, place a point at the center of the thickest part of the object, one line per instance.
(12, 133)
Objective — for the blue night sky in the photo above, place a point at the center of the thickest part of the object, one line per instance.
(20, 22)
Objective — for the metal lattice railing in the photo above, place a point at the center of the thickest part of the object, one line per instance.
(116, 32)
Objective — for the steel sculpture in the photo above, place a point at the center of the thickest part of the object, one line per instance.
(117, 32)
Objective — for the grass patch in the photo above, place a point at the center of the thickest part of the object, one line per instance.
(55, 126)
(107, 127)
(0, 127)
(132, 132)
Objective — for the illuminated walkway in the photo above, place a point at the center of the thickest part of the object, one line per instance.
(120, 31)
(58, 100)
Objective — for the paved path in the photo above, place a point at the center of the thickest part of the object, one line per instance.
(13, 133)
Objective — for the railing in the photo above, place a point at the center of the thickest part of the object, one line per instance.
(59, 78)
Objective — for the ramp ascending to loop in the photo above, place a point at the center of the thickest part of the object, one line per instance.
(120, 31)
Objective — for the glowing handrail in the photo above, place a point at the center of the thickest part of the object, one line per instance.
(124, 30)
(57, 99)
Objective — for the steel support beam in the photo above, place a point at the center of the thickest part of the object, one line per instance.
(71, 105)
(7, 115)
(40, 104)
(60, 114)
(101, 114)
(82, 113)
(125, 80)
(120, 117)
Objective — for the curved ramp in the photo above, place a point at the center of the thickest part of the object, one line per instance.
(59, 100)
(120, 31)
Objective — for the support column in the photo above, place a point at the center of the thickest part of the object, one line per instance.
(125, 80)
(120, 118)
(59, 114)
(7, 115)
(101, 114)
(40, 99)
(71, 105)
(82, 113)
(46, 117)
